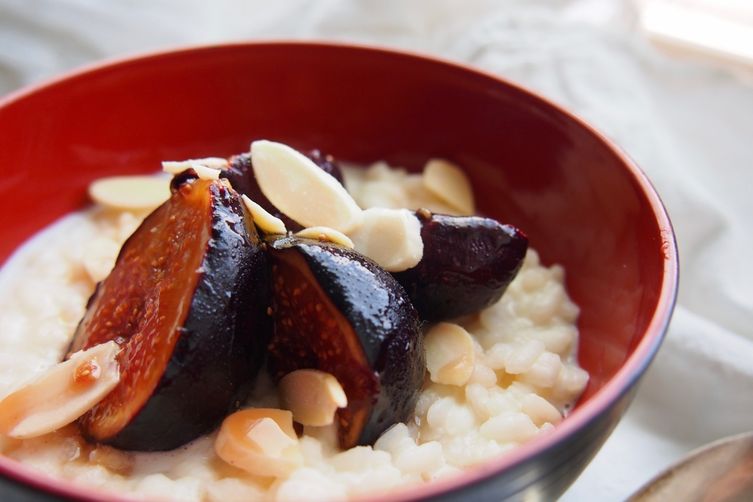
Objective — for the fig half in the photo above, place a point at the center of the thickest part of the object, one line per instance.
(338, 312)
(467, 264)
(240, 174)
(186, 302)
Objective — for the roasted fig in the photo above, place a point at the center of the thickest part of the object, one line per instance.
(467, 264)
(240, 174)
(186, 302)
(337, 311)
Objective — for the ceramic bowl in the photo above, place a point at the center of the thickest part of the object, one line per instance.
(581, 200)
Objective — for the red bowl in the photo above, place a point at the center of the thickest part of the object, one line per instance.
(581, 200)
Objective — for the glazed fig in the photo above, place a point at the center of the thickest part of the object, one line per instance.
(338, 312)
(186, 302)
(240, 174)
(467, 264)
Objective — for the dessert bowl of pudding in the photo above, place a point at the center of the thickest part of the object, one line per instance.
(289, 271)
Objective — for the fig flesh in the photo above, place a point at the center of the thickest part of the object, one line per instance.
(240, 174)
(186, 302)
(467, 264)
(338, 312)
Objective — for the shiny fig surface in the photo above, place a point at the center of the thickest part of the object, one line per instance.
(467, 264)
(186, 302)
(337, 311)
(240, 174)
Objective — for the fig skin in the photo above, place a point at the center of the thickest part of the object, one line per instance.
(337, 311)
(210, 350)
(240, 174)
(467, 264)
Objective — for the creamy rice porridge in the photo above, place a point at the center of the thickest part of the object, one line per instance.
(522, 381)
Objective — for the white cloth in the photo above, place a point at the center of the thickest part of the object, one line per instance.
(689, 126)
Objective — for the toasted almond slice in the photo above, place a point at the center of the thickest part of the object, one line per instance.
(269, 438)
(182, 165)
(202, 171)
(130, 193)
(112, 459)
(300, 189)
(99, 257)
(260, 441)
(390, 237)
(213, 162)
(326, 234)
(62, 394)
(448, 182)
(450, 356)
(266, 222)
(313, 396)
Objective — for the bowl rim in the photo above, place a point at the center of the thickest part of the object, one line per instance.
(581, 417)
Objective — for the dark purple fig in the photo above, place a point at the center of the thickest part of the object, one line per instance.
(337, 311)
(240, 174)
(467, 264)
(186, 302)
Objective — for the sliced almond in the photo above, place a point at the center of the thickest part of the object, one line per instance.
(326, 234)
(130, 193)
(62, 394)
(450, 356)
(203, 171)
(390, 237)
(213, 162)
(260, 441)
(112, 459)
(300, 189)
(182, 165)
(269, 438)
(312, 396)
(267, 223)
(448, 182)
(99, 257)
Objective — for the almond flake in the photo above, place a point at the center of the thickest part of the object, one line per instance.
(61, 394)
(300, 189)
(130, 193)
(182, 165)
(213, 162)
(260, 441)
(448, 182)
(312, 396)
(269, 438)
(326, 234)
(390, 237)
(203, 171)
(450, 356)
(267, 223)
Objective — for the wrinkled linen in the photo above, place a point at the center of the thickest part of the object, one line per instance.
(687, 125)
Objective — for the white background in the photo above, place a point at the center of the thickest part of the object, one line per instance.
(687, 124)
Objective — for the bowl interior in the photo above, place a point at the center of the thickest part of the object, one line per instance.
(530, 163)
